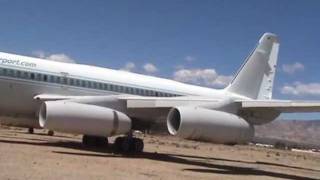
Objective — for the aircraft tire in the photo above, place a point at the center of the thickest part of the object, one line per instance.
(128, 145)
(30, 130)
(50, 133)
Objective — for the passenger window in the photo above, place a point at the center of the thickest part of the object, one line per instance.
(51, 78)
(83, 83)
(120, 88)
(64, 80)
(116, 88)
(18, 74)
(57, 79)
(134, 91)
(5, 72)
(88, 84)
(26, 75)
(38, 77)
(32, 76)
(71, 82)
(45, 78)
(77, 82)
(105, 86)
(10, 72)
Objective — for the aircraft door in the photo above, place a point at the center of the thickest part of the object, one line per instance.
(64, 80)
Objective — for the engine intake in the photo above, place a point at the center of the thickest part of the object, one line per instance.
(208, 125)
(71, 117)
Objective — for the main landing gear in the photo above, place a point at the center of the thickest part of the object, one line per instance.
(127, 144)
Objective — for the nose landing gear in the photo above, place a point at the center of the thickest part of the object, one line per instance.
(30, 130)
(50, 133)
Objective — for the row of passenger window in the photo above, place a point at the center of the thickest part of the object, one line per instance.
(80, 83)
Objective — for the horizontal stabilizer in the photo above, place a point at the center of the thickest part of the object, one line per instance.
(285, 106)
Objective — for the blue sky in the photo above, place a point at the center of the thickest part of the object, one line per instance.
(210, 38)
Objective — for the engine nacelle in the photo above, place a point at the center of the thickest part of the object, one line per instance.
(208, 125)
(71, 117)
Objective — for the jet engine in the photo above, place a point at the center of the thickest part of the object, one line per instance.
(71, 117)
(208, 125)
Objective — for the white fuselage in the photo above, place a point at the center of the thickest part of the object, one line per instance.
(22, 78)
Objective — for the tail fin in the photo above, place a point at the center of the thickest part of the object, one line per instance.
(255, 77)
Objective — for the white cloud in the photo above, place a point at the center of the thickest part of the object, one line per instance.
(300, 89)
(129, 66)
(39, 54)
(189, 58)
(150, 68)
(292, 68)
(60, 57)
(207, 77)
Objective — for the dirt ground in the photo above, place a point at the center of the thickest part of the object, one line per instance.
(38, 156)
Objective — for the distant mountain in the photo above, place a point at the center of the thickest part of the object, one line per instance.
(307, 132)
(294, 133)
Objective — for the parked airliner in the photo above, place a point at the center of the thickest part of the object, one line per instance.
(99, 102)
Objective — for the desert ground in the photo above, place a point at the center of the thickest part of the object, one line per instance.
(38, 156)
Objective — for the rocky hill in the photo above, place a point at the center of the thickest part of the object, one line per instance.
(307, 132)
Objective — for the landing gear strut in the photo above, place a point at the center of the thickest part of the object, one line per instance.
(128, 144)
(30, 130)
(94, 141)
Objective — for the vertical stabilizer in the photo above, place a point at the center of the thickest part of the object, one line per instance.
(255, 77)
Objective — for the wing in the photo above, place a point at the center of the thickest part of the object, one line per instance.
(255, 111)
(139, 107)
(148, 103)
(147, 110)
